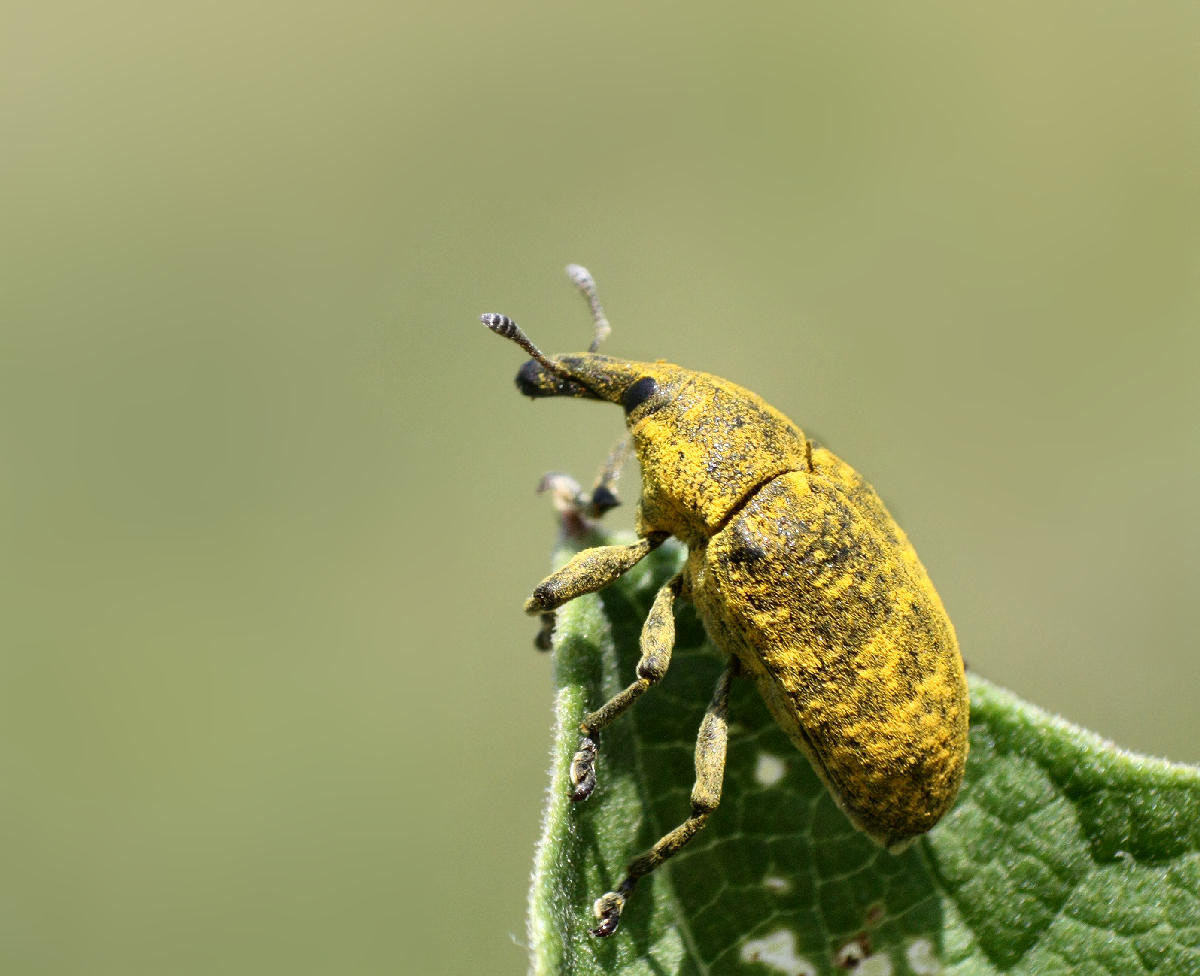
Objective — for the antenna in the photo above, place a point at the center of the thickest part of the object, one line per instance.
(583, 280)
(502, 325)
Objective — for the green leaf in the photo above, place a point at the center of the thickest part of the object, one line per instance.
(1063, 854)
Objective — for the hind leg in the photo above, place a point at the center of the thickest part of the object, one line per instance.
(706, 795)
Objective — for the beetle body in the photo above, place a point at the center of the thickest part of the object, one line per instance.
(798, 570)
(798, 573)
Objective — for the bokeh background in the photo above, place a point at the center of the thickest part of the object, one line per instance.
(267, 699)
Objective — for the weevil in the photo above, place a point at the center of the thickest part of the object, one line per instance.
(799, 575)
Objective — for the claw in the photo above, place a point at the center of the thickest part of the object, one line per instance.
(604, 499)
(583, 769)
(544, 641)
(608, 909)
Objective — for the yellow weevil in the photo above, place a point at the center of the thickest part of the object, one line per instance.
(798, 573)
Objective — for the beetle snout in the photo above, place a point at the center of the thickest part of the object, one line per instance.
(534, 380)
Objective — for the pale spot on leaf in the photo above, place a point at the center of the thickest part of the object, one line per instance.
(778, 950)
(879, 965)
(769, 769)
(921, 959)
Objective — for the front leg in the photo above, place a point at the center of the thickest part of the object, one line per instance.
(589, 571)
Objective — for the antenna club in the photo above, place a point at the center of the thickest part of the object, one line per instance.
(500, 324)
(580, 276)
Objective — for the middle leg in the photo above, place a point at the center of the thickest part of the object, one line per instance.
(657, 642)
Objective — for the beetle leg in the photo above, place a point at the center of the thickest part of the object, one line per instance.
(589, 571)
(657, 642)
(706, 795)
(604, 492)
(577, 506)
(578, 510)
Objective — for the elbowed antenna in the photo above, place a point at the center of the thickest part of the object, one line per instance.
(502, 325)
(583, 280)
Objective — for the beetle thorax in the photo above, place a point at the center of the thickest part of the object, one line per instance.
(705, 445)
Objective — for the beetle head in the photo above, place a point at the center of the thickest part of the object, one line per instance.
(591, 376)
(703, 442)
(587, 375)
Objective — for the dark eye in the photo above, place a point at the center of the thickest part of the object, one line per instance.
(638, 393)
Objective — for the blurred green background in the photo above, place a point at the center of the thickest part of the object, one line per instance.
(268, 701)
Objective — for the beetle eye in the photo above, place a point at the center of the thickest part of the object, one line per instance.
(638, 393)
